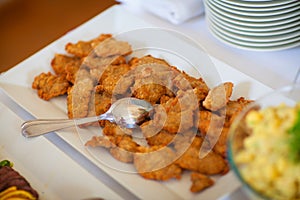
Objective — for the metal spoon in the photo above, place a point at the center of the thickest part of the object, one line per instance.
(126, 112)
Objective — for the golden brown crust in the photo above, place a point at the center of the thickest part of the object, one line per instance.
(218, 97)
(60, 61)
(112, 77)
(111, 47)
(79, 96)
(211, 164)
(200, 182)
(84, 48)
(71, 71)
(163, 138)
(100, 141)
(209, 120)
(157, 164)
(49, 85)
(93, 62)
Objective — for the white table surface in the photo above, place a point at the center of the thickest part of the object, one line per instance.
(274, 69)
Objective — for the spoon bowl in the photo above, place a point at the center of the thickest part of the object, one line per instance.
(126, 112)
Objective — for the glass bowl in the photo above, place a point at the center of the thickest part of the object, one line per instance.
(259, 146)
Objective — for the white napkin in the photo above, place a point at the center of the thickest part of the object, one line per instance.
(175, 11)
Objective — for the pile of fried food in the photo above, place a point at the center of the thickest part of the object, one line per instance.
(187, 130)
(13, 185)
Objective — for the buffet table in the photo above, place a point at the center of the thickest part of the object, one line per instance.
(63, 169)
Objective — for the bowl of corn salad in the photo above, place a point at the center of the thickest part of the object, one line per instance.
(264, 146)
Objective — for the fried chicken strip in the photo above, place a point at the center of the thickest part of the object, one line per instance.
(200, 182)
(112, 47)
(218, 97)
(211, 164)
(60, 61)
(84, 48)
(49, 85)
(79, 96)
(156, 163)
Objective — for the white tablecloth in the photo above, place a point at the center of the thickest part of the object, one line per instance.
(273, 68)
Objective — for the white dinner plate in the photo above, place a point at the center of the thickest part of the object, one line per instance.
(257, 25)
(49, 171)
(271, 39)
(261, 41)
(254, 34)
(254, 46)
(284, 28)
(259, 4)
(258, 9)
(218, 10)
(17, 84)
(255, 14)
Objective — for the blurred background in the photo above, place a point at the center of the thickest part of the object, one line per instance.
(26, 26)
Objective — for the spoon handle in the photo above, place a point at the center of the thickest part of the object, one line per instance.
(41, 126)
(38, 127)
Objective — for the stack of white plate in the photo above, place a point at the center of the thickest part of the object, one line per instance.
(255, 24)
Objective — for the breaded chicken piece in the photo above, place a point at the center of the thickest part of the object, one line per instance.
(171, 113)
(162, 138)
(121, 147)
(152, 77)
(93, 62)
(155, 124)
(221, 145)
(155, 78)
(148, 66)
(149, 92)
(49, 85)
(71, 70)
(201, 93)
(99, 104)
(111, 78)
(79, 96)
(218, 124)
(209, 120)
(156, 163)
(148, 59)
(125, 150)
(218, 97)
(112, 47)
(111, 129)
(164, 174)
(149, 88)
(102, 72)
(60, 61)
(233, 108)
(180, 112)
(121, 155)
(211, 164)
(200, 182)
(84, 48)
(179, 122)
(100, 141)
(125, 83)
(187, 82)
